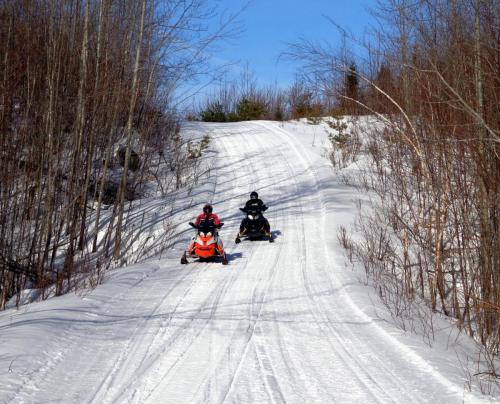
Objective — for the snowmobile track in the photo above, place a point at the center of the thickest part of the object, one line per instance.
(283, 322)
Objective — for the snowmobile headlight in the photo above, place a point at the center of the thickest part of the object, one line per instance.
(209, 234)
(251, 217)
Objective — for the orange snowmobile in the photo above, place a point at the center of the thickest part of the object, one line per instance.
(206, 244)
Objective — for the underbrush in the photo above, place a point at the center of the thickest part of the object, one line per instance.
(163, 180)
(418, 238)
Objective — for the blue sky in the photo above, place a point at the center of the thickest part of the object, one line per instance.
(270, 24)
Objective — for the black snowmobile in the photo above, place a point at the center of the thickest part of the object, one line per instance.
(254, 226)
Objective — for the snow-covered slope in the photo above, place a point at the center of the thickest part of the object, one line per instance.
(283, 322)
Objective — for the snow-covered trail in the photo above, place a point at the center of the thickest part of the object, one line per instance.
(275, 325)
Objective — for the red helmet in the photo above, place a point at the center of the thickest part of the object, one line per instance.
(207, 209)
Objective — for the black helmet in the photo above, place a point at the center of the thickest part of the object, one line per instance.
(207, 209)
(254, 195)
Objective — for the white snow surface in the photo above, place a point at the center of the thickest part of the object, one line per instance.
(284, 322)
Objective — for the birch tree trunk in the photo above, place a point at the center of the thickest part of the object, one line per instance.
(133, 98)
(100, 36)
(75, 186)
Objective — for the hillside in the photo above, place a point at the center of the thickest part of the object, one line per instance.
(285, 322)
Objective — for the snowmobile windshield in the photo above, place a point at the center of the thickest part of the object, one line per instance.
(254, 214)
(206, 226)
(253, 210)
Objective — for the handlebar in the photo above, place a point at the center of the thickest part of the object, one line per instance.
(246, 210)
(217, 226)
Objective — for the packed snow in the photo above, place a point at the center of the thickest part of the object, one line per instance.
(287, 322)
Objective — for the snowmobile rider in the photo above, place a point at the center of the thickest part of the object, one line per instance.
(207, 215)
(254, 203)
(214, 221)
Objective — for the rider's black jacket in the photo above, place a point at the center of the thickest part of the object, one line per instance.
(255, 204)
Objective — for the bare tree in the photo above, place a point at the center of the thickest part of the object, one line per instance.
(77, 78)
(432, 79)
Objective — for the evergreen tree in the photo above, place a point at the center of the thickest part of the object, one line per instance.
(350, 92)
(248, 109)
(214, 112)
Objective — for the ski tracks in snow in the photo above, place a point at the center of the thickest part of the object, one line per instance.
(276, 325)
(385, 370)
